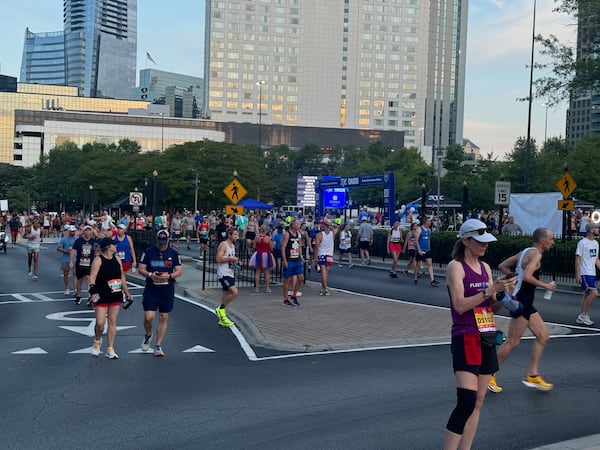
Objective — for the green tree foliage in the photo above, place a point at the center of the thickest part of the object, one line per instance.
(568, 74)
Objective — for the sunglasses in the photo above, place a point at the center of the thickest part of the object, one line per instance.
(479, 232)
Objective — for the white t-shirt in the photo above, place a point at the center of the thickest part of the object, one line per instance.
(587, 249)
(345, 240)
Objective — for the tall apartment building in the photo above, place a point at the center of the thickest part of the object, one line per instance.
(361, 64)
(95, 52)
(583, 115)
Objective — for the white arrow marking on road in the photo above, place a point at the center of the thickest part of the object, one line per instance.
(139, 350)
(31, 351)
(198, 349)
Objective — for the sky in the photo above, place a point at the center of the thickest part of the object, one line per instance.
(497, 61)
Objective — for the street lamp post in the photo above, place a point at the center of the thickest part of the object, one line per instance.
(528, 146)
(545, 124)
(439, 179)
(423, 201)
(91, 188)
(421, 141)
(465, 200)
(195, 172)
(260, 85)
(162, 132)
(154, 175)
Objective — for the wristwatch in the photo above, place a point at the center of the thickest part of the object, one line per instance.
(485, 294)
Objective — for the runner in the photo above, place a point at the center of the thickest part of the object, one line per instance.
(64, 247)
(80, 259)
(33, 234)
(226, 261)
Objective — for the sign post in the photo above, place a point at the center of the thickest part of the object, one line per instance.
(234, 192)
(566, 185)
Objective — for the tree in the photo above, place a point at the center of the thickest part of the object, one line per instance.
(572, 74)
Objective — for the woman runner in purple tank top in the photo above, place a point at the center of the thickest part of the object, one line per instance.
(472, 293)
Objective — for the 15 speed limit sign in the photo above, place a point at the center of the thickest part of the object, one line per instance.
(136, 198)
(502, 196)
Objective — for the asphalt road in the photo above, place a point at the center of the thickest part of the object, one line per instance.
(213, 396)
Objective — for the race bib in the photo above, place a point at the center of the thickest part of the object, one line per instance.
(84, 262)
(121, 255)
(115, 285)
(484, 318)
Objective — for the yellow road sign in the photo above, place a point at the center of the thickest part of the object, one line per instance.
(566, 184)
(234, 209)
(235, 191)
(566, 205)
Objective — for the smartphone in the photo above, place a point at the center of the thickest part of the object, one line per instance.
(511, 275)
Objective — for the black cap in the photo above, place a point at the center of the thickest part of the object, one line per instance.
(106, 242)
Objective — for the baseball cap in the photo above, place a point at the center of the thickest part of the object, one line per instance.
(475, 229)
(122, 225)
(590, 225)
(67, 227)
(162, 235)
(72, 228)
(364, 218)
(87, 227)
(106, 242)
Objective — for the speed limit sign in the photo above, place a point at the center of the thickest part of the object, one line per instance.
(502, 195)
(136, 198)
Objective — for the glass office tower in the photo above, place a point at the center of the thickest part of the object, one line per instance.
(96, 52)
(362, 64)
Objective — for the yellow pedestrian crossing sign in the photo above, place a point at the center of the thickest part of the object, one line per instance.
(235, 191)
(566, 185)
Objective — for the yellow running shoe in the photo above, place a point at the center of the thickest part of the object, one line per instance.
(493, 386)
(536, 381)
(225, 322)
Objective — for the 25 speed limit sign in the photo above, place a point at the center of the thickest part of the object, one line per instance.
(502, 195)
(136, 198)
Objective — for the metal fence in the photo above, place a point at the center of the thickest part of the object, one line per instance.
(244, 277)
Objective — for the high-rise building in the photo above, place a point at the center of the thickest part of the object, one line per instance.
(583, 115)
(96, 51)
(363, 64)
(182, 93)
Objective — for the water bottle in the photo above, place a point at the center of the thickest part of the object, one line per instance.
(510, 303)
(548, 294)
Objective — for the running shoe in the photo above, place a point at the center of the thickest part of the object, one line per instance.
(78, 300)
(369, 262)
(286, 302)
(146, 343)
(340, 265)
(110, 353)
(493, 386)
(30, 273)
(536, 381)
(67, 292)
(35, 277)
(225, 322)
(435, 283)
(89, 303)
(584, 319)
(96, 347)
(294, 301)
(158, 351)
(416, 281)
(326, 292)
(268, 290)
(406, 273)
(256, 290)
(350, 266)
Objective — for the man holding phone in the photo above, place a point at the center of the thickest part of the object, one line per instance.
(160, 265)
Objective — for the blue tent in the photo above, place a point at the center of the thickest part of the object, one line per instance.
(251, 203)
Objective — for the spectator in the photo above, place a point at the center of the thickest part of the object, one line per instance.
(511, 228)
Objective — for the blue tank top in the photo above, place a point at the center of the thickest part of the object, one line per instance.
(481, 318)
(123, 249)
(424, 240)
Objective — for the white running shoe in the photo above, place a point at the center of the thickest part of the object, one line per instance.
(110, 353)
(67, 292)
(146, 343)
(584, 319)
(96, 347)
